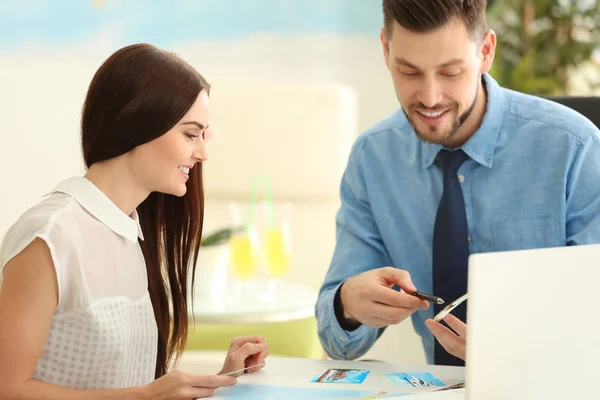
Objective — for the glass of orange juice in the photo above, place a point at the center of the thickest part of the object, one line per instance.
(243, 244)
(276, 253)
(276, 244)
(242, 255)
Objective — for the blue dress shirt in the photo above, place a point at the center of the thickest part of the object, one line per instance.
(532, 180)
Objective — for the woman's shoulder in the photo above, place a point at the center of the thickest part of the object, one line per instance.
(56, 213)
(55, 209)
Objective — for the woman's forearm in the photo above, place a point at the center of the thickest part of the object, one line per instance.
(38, 390)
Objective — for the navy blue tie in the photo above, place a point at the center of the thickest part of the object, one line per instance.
(450, 246)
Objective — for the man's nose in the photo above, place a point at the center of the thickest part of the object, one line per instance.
(430, 94)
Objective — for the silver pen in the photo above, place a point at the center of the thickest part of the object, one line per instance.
(448, 309)
(243, 369)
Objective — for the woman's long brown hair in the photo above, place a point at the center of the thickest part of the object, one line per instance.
(137, 95)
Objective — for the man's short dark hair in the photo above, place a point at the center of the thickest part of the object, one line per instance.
(428, 15)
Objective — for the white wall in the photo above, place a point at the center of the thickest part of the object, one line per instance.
(355, 61)
(40, 104)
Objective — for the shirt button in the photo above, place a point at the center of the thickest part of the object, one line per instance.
(469, 239)
(461, 178)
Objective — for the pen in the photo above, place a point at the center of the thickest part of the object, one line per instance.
(243, 369)
(448, 309)
(428, 297)
(456, 386)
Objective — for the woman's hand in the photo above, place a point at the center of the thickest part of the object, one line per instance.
(245, 352)
(178, 385)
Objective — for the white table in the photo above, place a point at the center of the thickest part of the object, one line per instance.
(297, 373)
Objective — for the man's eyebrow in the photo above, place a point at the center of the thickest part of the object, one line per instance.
(402, 61)
(198, 124)
(454, 61)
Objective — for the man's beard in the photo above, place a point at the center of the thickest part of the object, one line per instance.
(457, 124)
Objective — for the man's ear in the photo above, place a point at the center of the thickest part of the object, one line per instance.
(386, 47)
(488, 51)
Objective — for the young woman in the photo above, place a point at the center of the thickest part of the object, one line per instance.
(94, 279)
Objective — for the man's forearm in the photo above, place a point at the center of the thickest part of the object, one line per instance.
(336, 341)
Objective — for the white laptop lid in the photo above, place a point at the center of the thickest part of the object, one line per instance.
(533, 330)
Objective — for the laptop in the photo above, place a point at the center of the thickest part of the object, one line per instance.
(534, 324)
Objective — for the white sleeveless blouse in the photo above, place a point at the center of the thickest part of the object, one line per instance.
(103, 334)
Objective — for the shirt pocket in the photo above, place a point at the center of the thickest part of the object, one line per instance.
(526, 233)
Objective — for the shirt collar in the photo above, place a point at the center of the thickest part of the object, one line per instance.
(482, 145)
(90, 197)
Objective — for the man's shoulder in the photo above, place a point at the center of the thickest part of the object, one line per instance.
(548, 114)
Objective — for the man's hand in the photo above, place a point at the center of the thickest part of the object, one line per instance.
(454, 344)
(369, 299)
